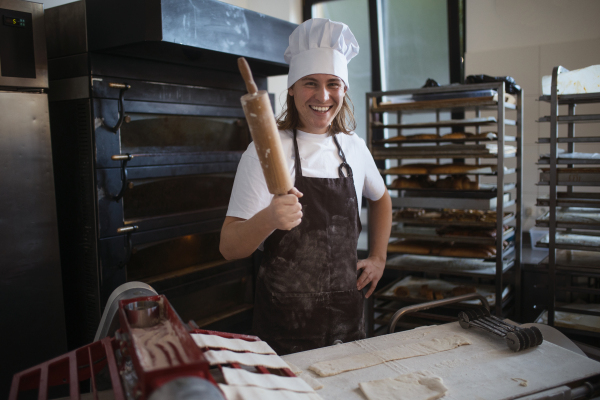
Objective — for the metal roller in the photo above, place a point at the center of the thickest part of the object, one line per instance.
(517, 338)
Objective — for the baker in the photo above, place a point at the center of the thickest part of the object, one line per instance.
(309, 285)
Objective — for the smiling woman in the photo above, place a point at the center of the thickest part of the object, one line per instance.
(329, 106)
(309, 290)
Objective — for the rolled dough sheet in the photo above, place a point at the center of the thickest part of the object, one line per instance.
(415, 386)
(216, 357)
(315, 384)
(423, 348)
(218, 342)
(253, 393)
(241, 377)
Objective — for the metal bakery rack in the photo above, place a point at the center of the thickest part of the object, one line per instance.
(410, 126)
(573, 217)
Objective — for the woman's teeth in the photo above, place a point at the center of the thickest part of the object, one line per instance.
(320, 109)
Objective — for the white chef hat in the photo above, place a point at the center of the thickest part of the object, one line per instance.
(320, 46)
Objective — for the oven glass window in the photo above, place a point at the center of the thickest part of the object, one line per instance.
(148, 198)
(166, 133)
(168, 256)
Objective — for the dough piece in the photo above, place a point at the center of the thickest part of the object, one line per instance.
(463, 232)
(398, 138)
(409, 213)
(401, 291)
(253, 393)
(241, 377)
(216, 357)
(438, 295)
(218, 342)
(414, 182)
(460, 290)
(364, 360)
(468, 251)
(423, 136)
(456, 183)
(521, 381)
(409, 247)
(297, 371)
(313, 383)
(415, 386)
(455, 135)
(409, 169)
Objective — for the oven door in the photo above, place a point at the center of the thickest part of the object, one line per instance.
(185, 264)
(165, 169)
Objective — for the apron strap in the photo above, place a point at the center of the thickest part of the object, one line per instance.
(297, 164)
(343, 157)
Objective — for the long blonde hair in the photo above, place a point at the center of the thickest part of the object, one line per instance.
(343, 122)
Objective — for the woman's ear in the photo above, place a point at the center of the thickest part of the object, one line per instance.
(291, 91)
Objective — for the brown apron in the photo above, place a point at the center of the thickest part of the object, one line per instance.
(306, 294)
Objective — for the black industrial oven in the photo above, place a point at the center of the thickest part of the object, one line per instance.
(148, 131)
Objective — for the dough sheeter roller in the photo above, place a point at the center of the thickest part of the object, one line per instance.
(487, 368)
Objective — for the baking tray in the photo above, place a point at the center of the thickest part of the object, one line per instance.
(572, 176)
(440, 140)
(573, 320)
(580, 139)
(508, 217)
(508, 251)
(484, 191)
(471, 267)
(589, 200)
(438, 124)
(445, 151)
(451, 202)
(572, 241)
(572, 219)
(413, 285)
(485, 169)
(576, 260)
(430, 234)
(579, 98)
(567, 119)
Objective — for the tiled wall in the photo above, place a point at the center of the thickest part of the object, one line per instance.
(527, 64)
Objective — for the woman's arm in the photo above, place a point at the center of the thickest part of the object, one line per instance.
(380, 226)
(241, 237)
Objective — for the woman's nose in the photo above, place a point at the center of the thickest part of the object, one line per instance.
(322, 94)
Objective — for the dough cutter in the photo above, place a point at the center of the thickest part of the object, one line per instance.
(516, 337)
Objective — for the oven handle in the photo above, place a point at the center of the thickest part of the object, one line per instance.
(124, 87)
(124, 158)
(128, 243)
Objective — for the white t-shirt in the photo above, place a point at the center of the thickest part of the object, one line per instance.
(319, 158)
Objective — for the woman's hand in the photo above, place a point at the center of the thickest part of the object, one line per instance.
(285, 211)
(372, 270)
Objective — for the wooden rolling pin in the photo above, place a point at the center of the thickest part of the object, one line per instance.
(265, 134)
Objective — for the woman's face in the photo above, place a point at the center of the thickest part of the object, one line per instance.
(318, 99)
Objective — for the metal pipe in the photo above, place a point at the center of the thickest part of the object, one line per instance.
(432, 304)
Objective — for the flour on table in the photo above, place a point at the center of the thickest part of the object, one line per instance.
(358, 361)
(414, 386)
